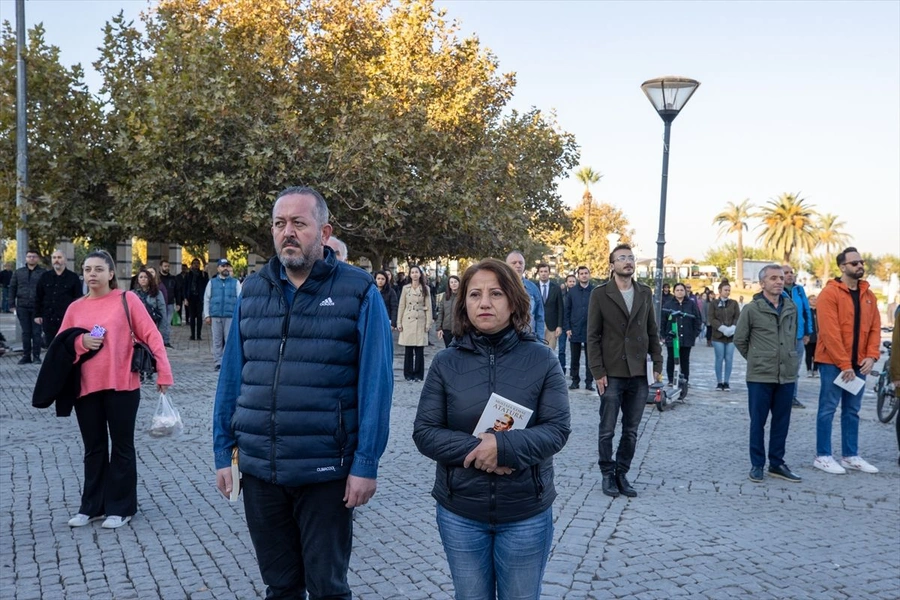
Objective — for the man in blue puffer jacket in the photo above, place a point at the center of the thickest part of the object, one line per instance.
(305, 395)
(804, 321)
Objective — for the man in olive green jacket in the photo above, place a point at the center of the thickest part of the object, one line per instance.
(766, 336)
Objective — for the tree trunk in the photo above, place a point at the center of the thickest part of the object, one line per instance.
(826, 266)
(739, 268)
(588, 200)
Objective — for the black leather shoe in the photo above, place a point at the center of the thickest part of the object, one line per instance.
(797, 404)
(756, 474)
(574, 385)
(609, 486)
(625, 487)
(25, 360)
(589, 387)
(782, 471)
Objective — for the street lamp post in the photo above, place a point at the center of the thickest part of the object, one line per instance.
(668, 96)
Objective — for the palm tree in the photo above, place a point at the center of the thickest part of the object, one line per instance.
(734, 220)
(831, 237)
(587, 176)
(787, 225)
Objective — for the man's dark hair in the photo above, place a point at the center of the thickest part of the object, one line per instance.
(582, 268)
(33, 251)
(616, 249)
(542, 265)
(840, 257)
(302, 190)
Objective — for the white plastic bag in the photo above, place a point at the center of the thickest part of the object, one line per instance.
(166, 420)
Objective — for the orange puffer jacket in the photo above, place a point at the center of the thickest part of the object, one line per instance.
(835, 315)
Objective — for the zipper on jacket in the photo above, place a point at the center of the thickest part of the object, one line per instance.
(341, 433)
(493, 367)
(536, 478)
(493, 500)
(449, 479)
(285, 327)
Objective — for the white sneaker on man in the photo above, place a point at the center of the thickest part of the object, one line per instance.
(80, 520)
(114, 522)
(858, 464)
(829, 465)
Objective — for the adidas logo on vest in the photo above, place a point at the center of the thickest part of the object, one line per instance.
(327, 302)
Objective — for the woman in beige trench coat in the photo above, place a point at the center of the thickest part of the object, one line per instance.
(413, 323)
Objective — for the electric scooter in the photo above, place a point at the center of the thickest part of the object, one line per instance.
(665, 396)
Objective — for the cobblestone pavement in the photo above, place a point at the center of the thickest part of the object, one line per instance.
(697, 529)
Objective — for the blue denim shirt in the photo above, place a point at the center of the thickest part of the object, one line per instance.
(375, 388)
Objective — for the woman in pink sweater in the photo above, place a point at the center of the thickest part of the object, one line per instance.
(110, 392)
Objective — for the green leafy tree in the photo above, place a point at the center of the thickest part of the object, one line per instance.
(594, 254)
(380, 105)
(726, 256)
(734, 219)
(788, 224)
(69, 164)
(587, 176)
(831, 238)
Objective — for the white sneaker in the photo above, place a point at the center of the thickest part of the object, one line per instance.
(114, 522)
(80, 520)
(829, 465)
(858, 464)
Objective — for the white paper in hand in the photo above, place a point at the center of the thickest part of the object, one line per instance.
(853, 386)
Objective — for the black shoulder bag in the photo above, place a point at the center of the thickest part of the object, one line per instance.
(142, 359)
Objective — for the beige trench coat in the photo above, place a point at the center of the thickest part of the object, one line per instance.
(414, 316)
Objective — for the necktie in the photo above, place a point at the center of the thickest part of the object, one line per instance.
(544, 293)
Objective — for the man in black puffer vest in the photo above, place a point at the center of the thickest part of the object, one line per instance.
(305, 395)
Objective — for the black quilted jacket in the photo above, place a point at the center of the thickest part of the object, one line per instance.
(459, 383)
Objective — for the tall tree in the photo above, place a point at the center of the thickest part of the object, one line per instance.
(69, 163)
(788, 224)
(588, 177)
(595, 253)
(734, 219)
(832, 238)
(381, 105)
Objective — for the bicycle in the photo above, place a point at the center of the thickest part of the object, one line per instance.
(665, 396)
(888, 403)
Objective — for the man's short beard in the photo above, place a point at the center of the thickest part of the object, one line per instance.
(298, 264)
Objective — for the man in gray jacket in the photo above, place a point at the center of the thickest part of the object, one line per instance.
(766, 336)
(23, 297)
(621, 332)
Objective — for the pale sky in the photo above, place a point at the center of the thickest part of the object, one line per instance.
(794, 97)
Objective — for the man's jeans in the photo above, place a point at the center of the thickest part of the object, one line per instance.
(220, 327)
(763, 399)
(302, 536)
(830, 395)
(628, 395)
(577, 349)
(724, 353)
(506, 557)
(801, 350)
(31, 333)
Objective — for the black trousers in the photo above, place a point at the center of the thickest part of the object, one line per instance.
(31, 333)
(575, 349)
(303, 537)
(628, 396)
(685, 352)
(195, 315)
(810, 356)
(51, 326)
(414, 362)
(110, 480)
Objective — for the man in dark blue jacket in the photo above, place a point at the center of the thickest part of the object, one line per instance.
(804, 321)
(305, 395)
(575, 323)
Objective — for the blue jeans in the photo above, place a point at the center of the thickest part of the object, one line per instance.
(561, 343)
(504, 561)
(724, 352)
(830, 396)
(763, 399)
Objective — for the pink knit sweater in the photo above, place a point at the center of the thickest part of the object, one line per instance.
(110, 368)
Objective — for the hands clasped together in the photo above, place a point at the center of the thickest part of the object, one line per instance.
(484, 456)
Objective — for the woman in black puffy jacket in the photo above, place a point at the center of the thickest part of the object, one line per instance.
(494, 490)
(687, 317)
(388, 295)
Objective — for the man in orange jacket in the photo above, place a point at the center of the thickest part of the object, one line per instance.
(849, 333)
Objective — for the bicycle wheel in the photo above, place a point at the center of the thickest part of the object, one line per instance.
(887, 403)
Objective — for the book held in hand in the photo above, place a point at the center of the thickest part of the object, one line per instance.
(235, 476)
(502, 414)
